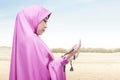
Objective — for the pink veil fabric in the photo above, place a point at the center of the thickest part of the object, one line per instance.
(31, 59)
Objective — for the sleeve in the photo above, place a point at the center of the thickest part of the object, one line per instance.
(56, 69)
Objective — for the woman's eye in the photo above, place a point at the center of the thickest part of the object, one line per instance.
(45, 21)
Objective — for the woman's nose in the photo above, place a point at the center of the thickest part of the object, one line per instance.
(45, 26)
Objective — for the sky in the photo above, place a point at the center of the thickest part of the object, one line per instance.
(95, 22)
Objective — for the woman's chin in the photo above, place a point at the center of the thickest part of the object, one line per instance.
(40, 33)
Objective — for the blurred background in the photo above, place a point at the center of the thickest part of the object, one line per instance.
(95, 22)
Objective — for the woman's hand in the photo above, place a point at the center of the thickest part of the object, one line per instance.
(75, 50)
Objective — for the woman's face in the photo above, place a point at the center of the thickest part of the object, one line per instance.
(41, 27)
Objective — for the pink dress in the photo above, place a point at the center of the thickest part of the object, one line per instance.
(31, 59)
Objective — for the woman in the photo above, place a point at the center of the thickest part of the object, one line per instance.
(31, 59)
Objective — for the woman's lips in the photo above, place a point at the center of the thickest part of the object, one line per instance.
(43, 30)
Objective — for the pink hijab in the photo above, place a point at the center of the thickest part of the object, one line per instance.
(31, 59)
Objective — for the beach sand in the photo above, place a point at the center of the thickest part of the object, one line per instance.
(88, 66)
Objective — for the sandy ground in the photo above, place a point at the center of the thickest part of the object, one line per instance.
(88, 66)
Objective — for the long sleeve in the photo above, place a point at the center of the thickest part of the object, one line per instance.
(56, 69)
